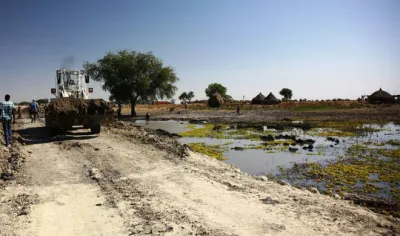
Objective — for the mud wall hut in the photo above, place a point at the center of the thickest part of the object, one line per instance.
(380, 97)
(271, 99)
(215, 100)
(397, 98)
(259, 99)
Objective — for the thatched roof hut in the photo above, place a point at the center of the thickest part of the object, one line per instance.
(271, 99)
(380, 96)
(259, 99)
(215, 100)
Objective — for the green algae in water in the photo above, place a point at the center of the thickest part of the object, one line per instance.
(191, 126)
(207, 131)
(336, 134)
(364, 170)
(390, 153)
(221, 132)
(348, 126)
(247, 133)
(210, 150)
(393, 142)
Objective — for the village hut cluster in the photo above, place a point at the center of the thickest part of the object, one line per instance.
(378, 97)
(260, 99)
(216, 100)
(383, 97)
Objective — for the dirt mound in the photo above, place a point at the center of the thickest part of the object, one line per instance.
(74, 106)
(98, 106)
(66, 106)
(161, 139)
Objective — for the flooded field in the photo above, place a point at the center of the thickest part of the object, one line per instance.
(336, 158)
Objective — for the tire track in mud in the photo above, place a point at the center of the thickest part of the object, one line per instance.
(138, 201)
(53, 196)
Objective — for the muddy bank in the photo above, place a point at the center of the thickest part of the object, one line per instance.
(382, 114)
(13, 204)
(159, 138)
(11, 160)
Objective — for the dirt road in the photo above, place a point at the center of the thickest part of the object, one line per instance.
(131, 181)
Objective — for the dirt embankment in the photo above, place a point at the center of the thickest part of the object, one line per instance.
(12, 159)
(132, 181)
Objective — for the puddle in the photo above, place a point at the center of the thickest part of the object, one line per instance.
(257, 162)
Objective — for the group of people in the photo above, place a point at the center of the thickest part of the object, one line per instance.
(7, 116)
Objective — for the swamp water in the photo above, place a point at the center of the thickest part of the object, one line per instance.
(366, 160)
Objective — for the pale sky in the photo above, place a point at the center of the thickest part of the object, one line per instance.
(319, 49)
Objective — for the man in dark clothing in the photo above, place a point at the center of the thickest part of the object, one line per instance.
(238, 109)
(33, 110)
(19, 112)
(119, 109)
(7, 109)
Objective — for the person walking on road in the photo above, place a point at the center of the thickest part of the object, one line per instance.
(33, 110)
(7, 111)
(119, 112)
(19, 112)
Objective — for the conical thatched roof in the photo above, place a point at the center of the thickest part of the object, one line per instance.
(215, 100)
(271, 99)
(381, 96)
(259, 99)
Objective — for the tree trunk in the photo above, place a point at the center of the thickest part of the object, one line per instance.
(133, 105)
(133, 112)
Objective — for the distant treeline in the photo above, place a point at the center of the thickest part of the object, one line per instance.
(295, 100)
(39, 101)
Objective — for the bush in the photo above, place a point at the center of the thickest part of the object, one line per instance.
(24, 103)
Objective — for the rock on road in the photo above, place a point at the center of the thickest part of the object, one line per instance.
(120, 183)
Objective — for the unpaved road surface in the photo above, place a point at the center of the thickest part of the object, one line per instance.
(130, 181)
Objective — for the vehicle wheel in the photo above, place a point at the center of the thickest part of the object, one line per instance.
(95, 129)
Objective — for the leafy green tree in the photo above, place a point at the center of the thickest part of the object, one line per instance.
(24, 103)
(131, 76)
(286, 93)
(190, 96)
(183, 97)
(42, 101)
(216, 87)
(186, 96)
